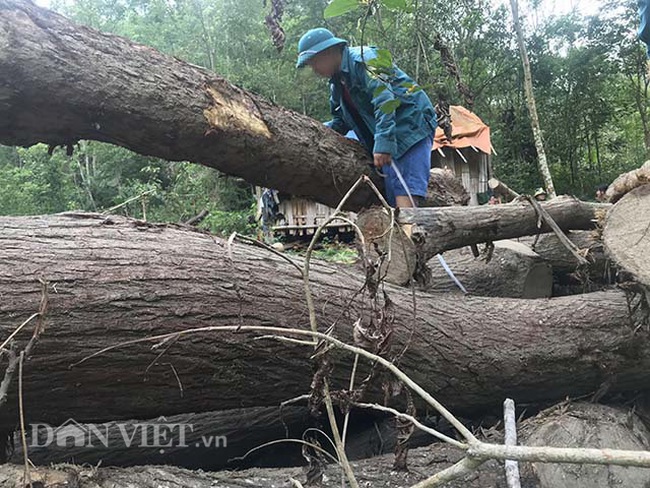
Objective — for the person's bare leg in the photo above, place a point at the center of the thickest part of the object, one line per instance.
(403, 201)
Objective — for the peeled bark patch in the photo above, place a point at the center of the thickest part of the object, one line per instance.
(627, 233)
(234, 114)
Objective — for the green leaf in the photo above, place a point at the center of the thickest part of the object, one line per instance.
(384, 59)
(340, 7)
(410, 87)
(379, 90)
(390, 106)
(394, 4)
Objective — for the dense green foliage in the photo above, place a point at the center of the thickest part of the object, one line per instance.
(589, 73)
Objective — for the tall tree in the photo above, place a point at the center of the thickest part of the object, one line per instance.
(532, 107)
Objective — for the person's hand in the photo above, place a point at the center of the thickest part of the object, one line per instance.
(382, 159)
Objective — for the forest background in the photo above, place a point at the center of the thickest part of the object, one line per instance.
(589, 73)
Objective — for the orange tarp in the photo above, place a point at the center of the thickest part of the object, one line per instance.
(467, 130)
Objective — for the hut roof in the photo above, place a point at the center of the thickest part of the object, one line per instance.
(468, 130)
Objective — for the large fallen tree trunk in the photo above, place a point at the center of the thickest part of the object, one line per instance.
(113, 280)
(61, 82)
(513, 270)
(435, 230)
(230, 439)
(441, 229)
(207, 440)
(566, 425)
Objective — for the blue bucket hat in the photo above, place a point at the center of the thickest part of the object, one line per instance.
(313, 42)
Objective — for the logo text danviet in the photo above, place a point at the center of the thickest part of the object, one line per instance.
(155, 435)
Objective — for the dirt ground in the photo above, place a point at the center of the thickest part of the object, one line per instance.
(374, 472)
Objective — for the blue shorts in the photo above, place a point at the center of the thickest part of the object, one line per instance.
(414, 165)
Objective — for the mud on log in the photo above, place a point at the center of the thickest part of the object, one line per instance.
(113, 279)
(61, 82)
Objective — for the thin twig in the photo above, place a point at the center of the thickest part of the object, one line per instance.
(126, 202)
(414, 421)
(18, 329)
(463, 467)
(263, 245)
(27, 480)
(346, 420)
(12, 357)
(283, 441)
(297, 399)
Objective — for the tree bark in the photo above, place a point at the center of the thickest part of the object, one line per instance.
(626, 234)
(438, 230)
(627, 182)
(532, 106)
(113, 279)
(209, 440)
(61, 82)
(514, 270)
(445, 189)
(561, 259)
(569, 276)
(231, 434)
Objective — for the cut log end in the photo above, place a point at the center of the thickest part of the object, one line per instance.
(587, 426)
(626, 235)
(399, 258)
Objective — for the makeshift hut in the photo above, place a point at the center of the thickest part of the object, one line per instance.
(467, 155)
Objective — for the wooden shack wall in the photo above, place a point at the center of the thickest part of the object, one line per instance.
(473, 170)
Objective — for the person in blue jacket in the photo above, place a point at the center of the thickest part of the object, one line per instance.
(644, 26)
(402, 138)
